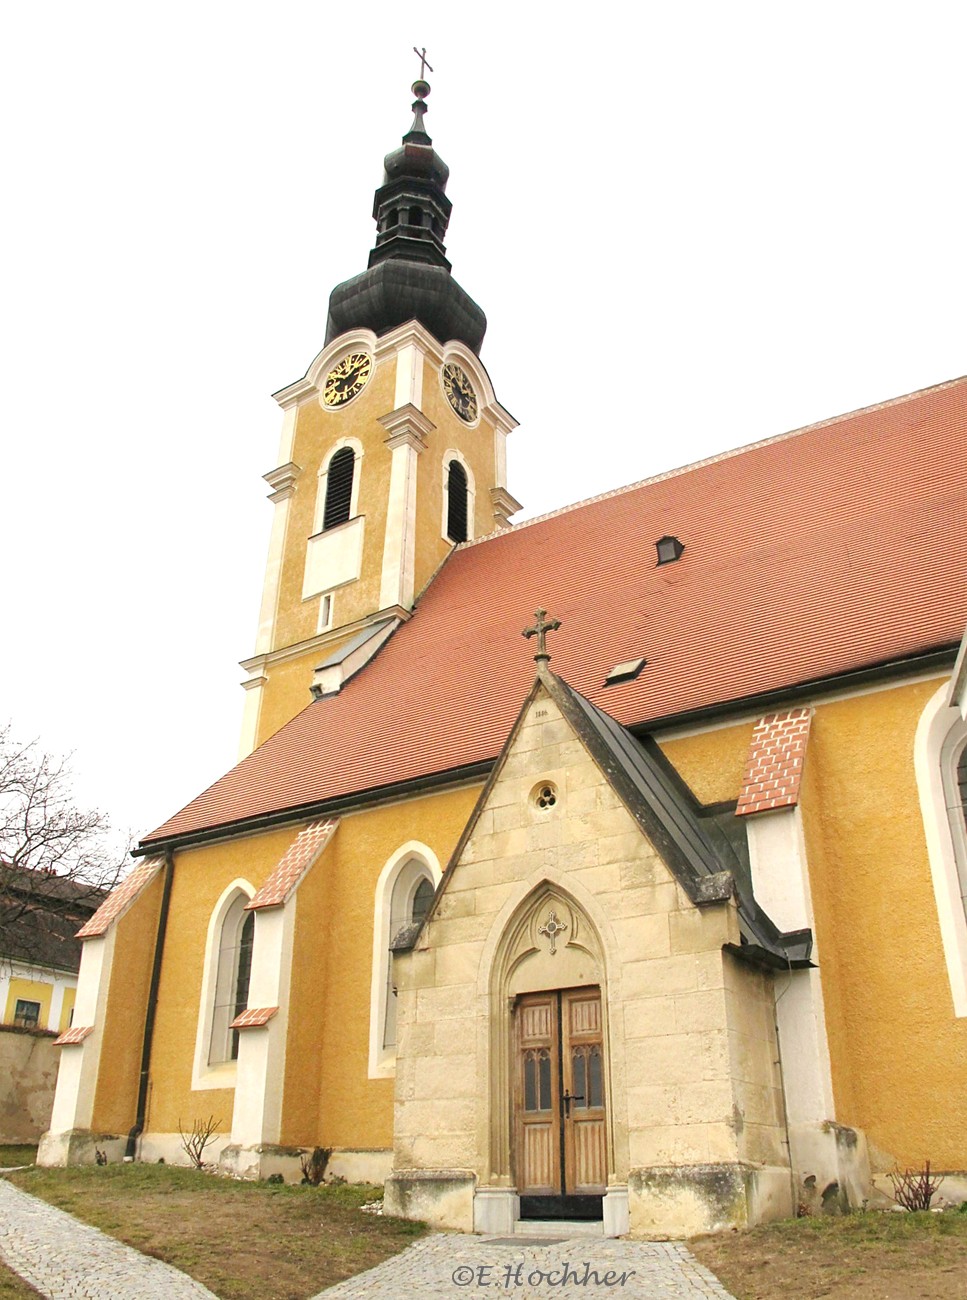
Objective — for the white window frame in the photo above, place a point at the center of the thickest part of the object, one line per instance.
(411, 863)
(940, 739)
(453, 454)
(322, 482)
(223, 1074)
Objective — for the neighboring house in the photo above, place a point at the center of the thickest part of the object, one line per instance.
(668, 932)
(40, 914)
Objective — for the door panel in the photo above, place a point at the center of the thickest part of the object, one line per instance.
(559, 1103)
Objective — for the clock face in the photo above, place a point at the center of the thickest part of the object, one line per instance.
(347, 378)
(459, 391)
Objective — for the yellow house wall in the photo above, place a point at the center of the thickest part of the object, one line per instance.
(329, 1099)
(200, 878)
(116, 1095)
(29, 991)
(67, 1006)
(712, 764)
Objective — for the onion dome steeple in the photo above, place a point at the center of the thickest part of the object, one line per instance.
(409, 276)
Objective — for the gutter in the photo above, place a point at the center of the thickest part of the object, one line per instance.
(159, 943)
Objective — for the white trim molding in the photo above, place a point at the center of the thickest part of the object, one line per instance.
(203, 1075)
(411, 863)
(450, 454)
(940, 740)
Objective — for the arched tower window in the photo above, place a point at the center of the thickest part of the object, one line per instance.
(456, 502)
(232, 979)
(339, 488)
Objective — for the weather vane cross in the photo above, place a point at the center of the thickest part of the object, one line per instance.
(421, 55)
(540, 629)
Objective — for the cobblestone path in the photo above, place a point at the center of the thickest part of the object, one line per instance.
(68, 1260)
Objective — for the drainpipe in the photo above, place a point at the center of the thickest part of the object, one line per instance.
(159, 943)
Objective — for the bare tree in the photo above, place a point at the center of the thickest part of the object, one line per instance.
(57, 861)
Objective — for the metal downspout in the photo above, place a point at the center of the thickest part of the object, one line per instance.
(159, 944)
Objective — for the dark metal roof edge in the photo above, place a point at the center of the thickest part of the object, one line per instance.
(435, 783)
(884, 669)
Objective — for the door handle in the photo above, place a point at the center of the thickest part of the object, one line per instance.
(568, 1098)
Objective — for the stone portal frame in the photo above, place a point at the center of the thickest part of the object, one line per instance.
(517, 959)
(411, 863)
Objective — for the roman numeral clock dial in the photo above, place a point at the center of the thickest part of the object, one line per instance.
(347, 378)
(460, 392)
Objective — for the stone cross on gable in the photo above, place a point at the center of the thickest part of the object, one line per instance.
(540, 629)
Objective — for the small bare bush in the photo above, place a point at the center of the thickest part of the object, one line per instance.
(314, 1165)
(914, 1189)
(194, 1143)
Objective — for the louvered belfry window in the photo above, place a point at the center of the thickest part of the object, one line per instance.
(456, 502)
(339, 488)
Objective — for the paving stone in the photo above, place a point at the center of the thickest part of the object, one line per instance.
(447, 1266)
(68, 1260)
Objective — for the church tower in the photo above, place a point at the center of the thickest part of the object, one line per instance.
(392, 451)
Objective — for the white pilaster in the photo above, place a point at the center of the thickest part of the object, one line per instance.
(409, 377)
(282, 481)
(252, 687)
(780, 879)
(257, 1117)
(79, 1062)
(408, 429)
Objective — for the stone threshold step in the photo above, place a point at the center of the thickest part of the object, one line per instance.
(559, 1228)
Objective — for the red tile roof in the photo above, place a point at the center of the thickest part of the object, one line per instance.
(773, 769)
(812, 554)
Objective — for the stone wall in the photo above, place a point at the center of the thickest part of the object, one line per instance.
(28, 1074)
(695, 1128)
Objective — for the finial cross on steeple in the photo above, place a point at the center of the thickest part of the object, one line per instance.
(421, 55)
(540, 629)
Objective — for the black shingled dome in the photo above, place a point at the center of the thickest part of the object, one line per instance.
(409, 276)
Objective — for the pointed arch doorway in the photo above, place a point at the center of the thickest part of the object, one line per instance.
(559, 1112)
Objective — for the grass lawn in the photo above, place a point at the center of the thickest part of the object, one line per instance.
(873, 1256)
(14, 1288)
(245, 1241)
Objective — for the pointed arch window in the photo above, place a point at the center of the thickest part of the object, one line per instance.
(457, 494)
(232, 977)
(412, 895)
(339, 488)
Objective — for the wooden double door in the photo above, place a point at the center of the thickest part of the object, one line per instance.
(560, 1144)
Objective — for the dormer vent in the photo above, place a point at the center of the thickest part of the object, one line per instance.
(626, 672)
(669, 549)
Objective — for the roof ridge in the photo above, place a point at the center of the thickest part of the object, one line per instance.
(712, 460)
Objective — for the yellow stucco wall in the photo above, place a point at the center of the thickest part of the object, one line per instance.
(116, 1096)
(899, 1056)
(890, 1023)
(29, 991)
(317, 430)
(201, 877)
(712, 763)
(67, 1006)
(329, 1099)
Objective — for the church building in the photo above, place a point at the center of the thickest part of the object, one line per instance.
(652, 916)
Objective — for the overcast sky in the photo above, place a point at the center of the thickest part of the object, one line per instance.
(691, 226)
